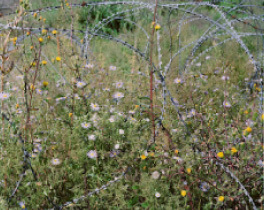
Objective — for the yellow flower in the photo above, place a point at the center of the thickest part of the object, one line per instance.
(70, 114)
(28, 33)
(35, 15)
(262, 116)
(189, 170)
(183, 193)
(40, 18)
(67, 4)
(44, 62)
(152, 154)
(143, 157)
(145, 167)
(40, 39)
(233, 150)
(220, 154)
(248, 129)
(157, 27)
(176, 151)
(44, 31)
(258, 89)
(33, 64)
(58, 58)
(136, 106)
(221, 198)
(152, 24)
(32, 87)
(17, 106)
(246, 112)
(44, 20)
(31, 47)
(54, 32)
(45, 83)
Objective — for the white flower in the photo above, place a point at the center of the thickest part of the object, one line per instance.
(261, 163)
(117, 146)
(112, 68)
(80, 84)
(118, 95)
(39, 91)
(55, 161)
(226, 104)
(119, 84)
(207, 57)
(106, 89)
(157, 194)
(86, 125)
(225, 78)
(61, 99)
(92, 137)
(95, 107)
(155, 175)
(4, 96)
(175, 130)
(112, 119)
(89, 66)
(131, 112)
(121, 131)
(92, 154)
(177, 80)
(198, 64)
(76, 96)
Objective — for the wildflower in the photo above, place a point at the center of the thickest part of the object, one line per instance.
(143, 157)
(92, 137)
(114, 153)
(4, 96)
(54, 32)
(58, 58)
(248, 129)
(261, 163)
(31, 47)
(44, 31)
(17, 106)
(157, 194)
(117, 146)
(152, 154)
(112, 119)
(22, 205)
(157, 27)
(28, 33)
(177, 80)
(226, 104)
(80, 84)
(121, 131)
(55, 161)
(86, 125)
(40, 39)
(189, 170)
(246, 112)
(92, 154)
(32, 87)
(221, 198)
(95, 107)
(112, 68)
(204, 186)
(233, 150)
(89, 66)
(45, 83)
(225, 78)
(119, 84)
(44, 62)
(262, 116)
(183, 193)
(35, 15)
(118, 95)
(70, 114)
(220, 154)
(155, 175)
(33, 64)
(39, 91)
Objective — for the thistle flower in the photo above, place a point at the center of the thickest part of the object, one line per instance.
(92, 154)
